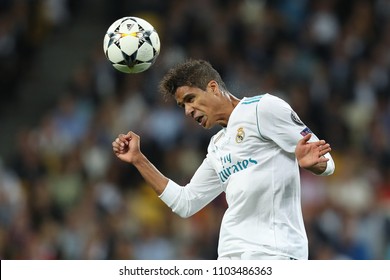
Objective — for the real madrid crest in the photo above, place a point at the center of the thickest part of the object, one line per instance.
(295, 118)
(240, 135)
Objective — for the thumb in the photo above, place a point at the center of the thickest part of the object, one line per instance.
(129, 135)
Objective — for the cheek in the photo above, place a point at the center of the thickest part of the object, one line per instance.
(202, 105)
(212, 107)
(207, 105)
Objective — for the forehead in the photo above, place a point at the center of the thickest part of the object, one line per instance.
(184, 92)
(181, 91)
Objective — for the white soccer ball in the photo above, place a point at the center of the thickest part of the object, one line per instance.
(131, 44)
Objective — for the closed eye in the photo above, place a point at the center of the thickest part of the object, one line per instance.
(186, 99)
(189, 99)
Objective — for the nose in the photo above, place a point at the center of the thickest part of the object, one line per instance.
(189, 111)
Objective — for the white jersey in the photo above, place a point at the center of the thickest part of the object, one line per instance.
(252, 160)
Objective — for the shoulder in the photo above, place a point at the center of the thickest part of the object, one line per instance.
(252, 100)
(272, 104)
(273, 99)
(263, 106)
(263, 100)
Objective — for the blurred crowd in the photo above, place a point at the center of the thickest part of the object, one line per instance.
(64, 195)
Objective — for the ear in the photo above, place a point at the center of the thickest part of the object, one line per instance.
(213, 87)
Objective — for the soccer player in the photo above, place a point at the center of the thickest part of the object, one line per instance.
(254, 159)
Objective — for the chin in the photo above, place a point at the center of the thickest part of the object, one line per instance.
(208, 126)
(204, 127)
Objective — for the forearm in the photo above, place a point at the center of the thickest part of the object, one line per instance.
(151, 174)
(203, 187)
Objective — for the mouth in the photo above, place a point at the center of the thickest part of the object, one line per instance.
(200, 120)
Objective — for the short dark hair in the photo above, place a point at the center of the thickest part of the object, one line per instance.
(192, 73)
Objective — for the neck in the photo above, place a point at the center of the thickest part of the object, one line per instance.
(233, 102)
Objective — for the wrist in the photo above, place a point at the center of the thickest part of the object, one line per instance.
(138, 159)
(318, 168)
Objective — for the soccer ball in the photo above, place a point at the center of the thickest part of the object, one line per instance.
(131, 44)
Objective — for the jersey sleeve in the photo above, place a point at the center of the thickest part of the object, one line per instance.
(278, 122)
(200, 191)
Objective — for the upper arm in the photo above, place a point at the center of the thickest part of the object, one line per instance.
(279, 123)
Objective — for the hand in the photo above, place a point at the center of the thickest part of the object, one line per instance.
(310, 155)
(127, 147)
